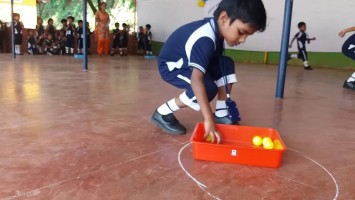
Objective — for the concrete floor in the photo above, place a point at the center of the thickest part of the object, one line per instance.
(69, 134)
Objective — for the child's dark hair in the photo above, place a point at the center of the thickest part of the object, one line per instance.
(148, 26)
(124, 24)
(50, 20)
(63, 21)
(16, 15)
(117, 23)
(248, 11)
(72, 18)
(140, 27)
(301, 24)
(80, 21)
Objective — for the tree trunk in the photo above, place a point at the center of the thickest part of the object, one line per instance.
(92, 6)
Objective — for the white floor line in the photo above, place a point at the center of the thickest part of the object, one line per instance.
(325, 169)
(199, 184)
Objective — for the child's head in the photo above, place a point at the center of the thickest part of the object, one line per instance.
(302, 26)
(148, 27)
(39, 21)
(50, 21)
(237, 19)
(80, 23)
(70, 19)
(141, 29)
(117, 25)
(64, 22)
(124, 25)
(16, 16)
(31, 33)
(49, 36)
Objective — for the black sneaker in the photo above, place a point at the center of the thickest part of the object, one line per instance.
(349, 85)
(168, 123)
(308, 68)
(223, 120)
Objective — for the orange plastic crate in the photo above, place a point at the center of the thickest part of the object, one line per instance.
(237, 146)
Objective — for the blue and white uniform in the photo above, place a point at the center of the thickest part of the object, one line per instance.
(302, 38)
(349, 47)
(196, 45)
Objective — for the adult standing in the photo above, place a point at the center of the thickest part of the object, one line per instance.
(102, 21)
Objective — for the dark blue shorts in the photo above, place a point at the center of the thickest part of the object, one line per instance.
(213, 79)
(349, 47)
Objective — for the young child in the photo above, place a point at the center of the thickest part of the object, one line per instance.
(140, 38)
(64, 23)
(18, 26)
(80, 36)
(116, 39)
(61, 42)
(88, 39)
(70, 36)
(301, 37)
(349, 50)
(32, 43)
(148, 40)
(124, 40)
(192, 59)
(49, 45)
(40, 34)
(51, 29)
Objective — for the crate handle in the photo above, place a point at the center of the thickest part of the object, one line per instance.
(234, 153)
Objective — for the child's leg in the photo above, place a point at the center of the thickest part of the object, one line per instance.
(304, 56)
(164, 117)
(350, 82)
(215, 69)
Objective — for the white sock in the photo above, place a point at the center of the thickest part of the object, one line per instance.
(352, 78)
(67, 50)
(71, 50)
(168, 107)
(294, 56)
(305, 63)
(17, 49)
(221, 105)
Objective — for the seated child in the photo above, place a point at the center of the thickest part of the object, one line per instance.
(32, 43)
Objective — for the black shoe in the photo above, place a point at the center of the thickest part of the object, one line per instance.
(112, 54)
(349, 85)
(168, 123)
(224, 120)
(308, 68)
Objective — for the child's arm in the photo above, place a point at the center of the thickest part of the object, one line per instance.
(198, 86)
(293, 39)
(343, 32)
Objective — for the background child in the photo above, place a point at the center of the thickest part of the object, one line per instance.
(64, 23)
(49, 45)
(88, 39)
(40, 34)
(18, 26)
(51, 29)
(192, 59)
(140, 38)
(124, 40)
(301, 37)
(349, 50)
(148, 40)
(61, 42)
(32, 43)
(80, 36)
(70, 36)
(116, 39)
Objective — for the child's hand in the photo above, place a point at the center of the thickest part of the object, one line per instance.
(314, 38)
(342, 33)
(210, 129)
